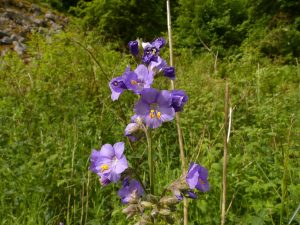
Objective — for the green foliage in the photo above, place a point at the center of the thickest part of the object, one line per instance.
(123, 20)
(57, 108)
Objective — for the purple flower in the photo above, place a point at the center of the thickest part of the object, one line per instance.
(133, 47)
(130, 191)
(169, 72)
(197, 177)
(155, 107)
(138, 79)
(159, 42)
(179, 98)
(117, 85)
(109, 162)
(158, 66)
(151, 50)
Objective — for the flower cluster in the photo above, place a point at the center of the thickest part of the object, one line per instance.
(153, 108)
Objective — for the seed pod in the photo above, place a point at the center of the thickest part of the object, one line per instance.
(130, 209)
(165, 212)
(147, 205)
(154, 213)
(169, 200)
(152, 198)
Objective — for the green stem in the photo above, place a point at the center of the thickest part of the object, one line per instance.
(150, 160)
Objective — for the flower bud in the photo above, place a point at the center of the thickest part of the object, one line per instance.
(169, 200)
(154, 212)
(165, 212)
(131, 209)
(133, 47)
(169, 72)
(147, 204)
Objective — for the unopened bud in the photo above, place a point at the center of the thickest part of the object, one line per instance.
(154, 212)
(130, 209)
(152, 198)
(169, 200)
(147, 204)
(165, 212)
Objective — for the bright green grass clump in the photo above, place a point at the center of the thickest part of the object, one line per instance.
(55, 109)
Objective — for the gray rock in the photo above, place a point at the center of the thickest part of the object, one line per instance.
(15, 37)
(35, 10)
(39, 22)
(50, 16)
(4, 34)
(6, 41)
(56, 27)
(19, 47)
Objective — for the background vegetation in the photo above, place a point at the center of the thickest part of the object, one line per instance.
(57, 108)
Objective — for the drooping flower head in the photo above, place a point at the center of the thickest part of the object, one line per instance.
(133, 47)
(117, 85)
(109, 162)
(169, 72)
(154, 107)
(179, 98)
(197, 177)
(158, 66)
(134, 129)
(151, 50)
(130, 191)
(138, 79)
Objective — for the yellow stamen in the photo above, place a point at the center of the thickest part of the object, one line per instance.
(104, 167)
(158, 115)
(152, 115)
(133, 82)
(152, 111)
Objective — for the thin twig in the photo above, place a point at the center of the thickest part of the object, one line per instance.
(226, 104)
(94, 58)
(177, 117)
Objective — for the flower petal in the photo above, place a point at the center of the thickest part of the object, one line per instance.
(107, 151)
(119, 149)
(149, 95)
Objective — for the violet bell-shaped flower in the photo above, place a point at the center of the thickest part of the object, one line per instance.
(197, 177)
(158, 66)
(179, 98)
(109, 162)
(138, 79)
(133, 47)
(151, 50)
(155, 107)
(117, 85)
(131, 191)
(169, 72)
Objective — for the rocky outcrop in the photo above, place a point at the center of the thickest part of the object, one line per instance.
(20, 18)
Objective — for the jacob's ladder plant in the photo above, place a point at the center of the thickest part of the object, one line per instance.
(153, 108)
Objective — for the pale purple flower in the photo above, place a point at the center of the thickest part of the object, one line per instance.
(151, 50)
(158, 66)
(138, 79)
(179, 98)
(133, 47)
(159, 42)
(130, 191)
(117, 85)
(155, 107)
(197, 177)
(109, 162)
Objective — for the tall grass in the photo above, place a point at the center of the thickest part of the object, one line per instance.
(57, 108)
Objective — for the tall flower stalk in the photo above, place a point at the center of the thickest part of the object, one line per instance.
(178, 127)
(152, 109)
